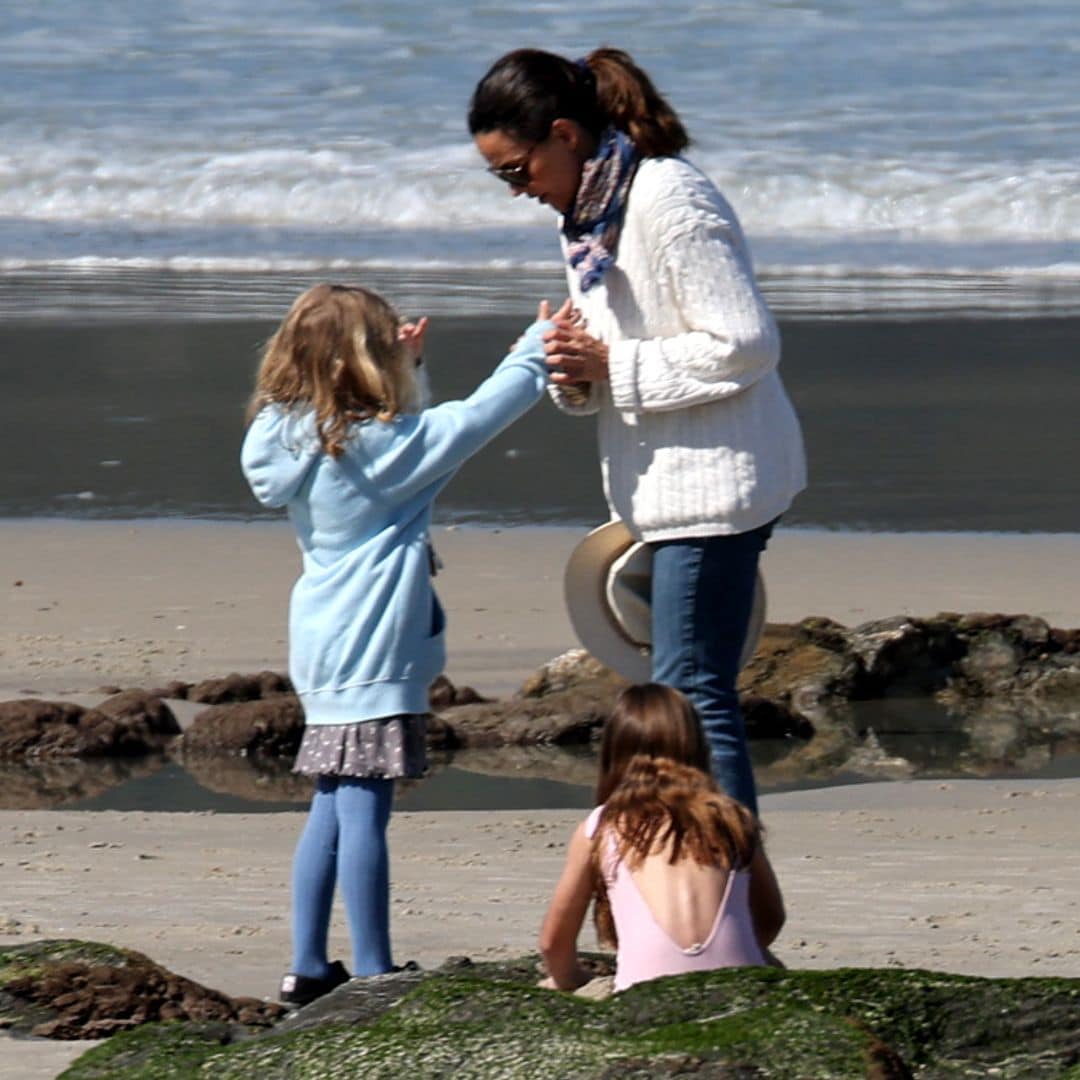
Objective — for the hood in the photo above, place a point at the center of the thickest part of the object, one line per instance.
(279, 451)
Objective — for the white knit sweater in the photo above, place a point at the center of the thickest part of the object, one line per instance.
(697, 436)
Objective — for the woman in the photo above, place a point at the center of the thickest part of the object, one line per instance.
(675, 350)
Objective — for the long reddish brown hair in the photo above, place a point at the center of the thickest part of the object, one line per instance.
(652, 720)
(658, 796)
(337, 352)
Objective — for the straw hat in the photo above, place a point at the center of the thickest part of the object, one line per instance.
(607, 585)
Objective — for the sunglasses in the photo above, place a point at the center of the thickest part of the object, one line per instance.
(515, 175)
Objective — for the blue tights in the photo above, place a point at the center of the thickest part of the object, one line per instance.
(344, 842)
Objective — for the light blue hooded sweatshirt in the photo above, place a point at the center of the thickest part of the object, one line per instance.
(366, 631)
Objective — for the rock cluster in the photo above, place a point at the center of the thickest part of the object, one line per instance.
(128, 724)
(800, 682)
(490, 1019)
(959, 658)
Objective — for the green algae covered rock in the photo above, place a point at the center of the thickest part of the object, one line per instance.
(486, 1021)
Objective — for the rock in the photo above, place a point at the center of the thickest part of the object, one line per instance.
(902, 656)
(83, 990)
(768, 719)
(270, 728)
(142, 708)
(574, 669)
(562, 720)
(33, 730)
(806, 667)
(234, 688)
(564, 702)
(175, 689)
(489, 1019)
(442, 694)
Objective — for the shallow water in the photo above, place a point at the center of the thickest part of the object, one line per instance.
(900, 739)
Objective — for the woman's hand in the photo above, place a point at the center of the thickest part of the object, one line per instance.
(411, 335)
(574, 356)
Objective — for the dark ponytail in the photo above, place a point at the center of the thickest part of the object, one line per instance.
(527, 90)
(632, 104)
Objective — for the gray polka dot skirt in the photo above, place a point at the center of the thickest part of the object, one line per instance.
(391, 748)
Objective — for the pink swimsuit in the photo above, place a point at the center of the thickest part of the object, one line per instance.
(646, 951)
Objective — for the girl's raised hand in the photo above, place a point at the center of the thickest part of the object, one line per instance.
(411, 335)
(566, 313)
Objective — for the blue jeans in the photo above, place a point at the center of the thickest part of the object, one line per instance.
(702, 596)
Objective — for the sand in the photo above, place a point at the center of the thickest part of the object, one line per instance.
(977, 877)
(981, 877)
(87, 604)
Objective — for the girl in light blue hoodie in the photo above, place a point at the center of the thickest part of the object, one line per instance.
(339, 436)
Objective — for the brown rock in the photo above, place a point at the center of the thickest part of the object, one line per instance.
(442, 694)
(87, 997)
(764, 718)
(142, 708)
(565, 702)
(237, 687)
(802, 667)
(175, 689)
(574, 669)
(33, 729)
(271, 728)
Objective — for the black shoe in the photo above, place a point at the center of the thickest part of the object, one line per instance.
(300, 990)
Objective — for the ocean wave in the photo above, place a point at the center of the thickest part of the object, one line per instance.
(370, 186)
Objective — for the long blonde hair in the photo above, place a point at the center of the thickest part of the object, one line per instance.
(658, 795)
(337, 353)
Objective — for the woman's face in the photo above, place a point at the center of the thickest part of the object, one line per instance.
(548, 171)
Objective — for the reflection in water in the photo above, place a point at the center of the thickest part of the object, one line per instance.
(48, 785)
(880, 740)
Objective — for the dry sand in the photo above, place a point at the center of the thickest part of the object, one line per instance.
(980, 877)
(139, 604)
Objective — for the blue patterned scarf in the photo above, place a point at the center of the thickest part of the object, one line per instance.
(593, 223)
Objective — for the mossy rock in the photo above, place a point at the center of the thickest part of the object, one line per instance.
(744, 1023)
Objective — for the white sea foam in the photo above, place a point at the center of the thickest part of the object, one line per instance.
(234, 133)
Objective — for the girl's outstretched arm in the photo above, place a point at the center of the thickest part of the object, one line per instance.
(566, 913)
(766, 902)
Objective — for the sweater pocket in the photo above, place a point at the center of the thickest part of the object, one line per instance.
(438, 617)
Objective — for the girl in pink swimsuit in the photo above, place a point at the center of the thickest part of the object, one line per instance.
(677, 868)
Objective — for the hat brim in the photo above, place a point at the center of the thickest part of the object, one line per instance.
(597, 628)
